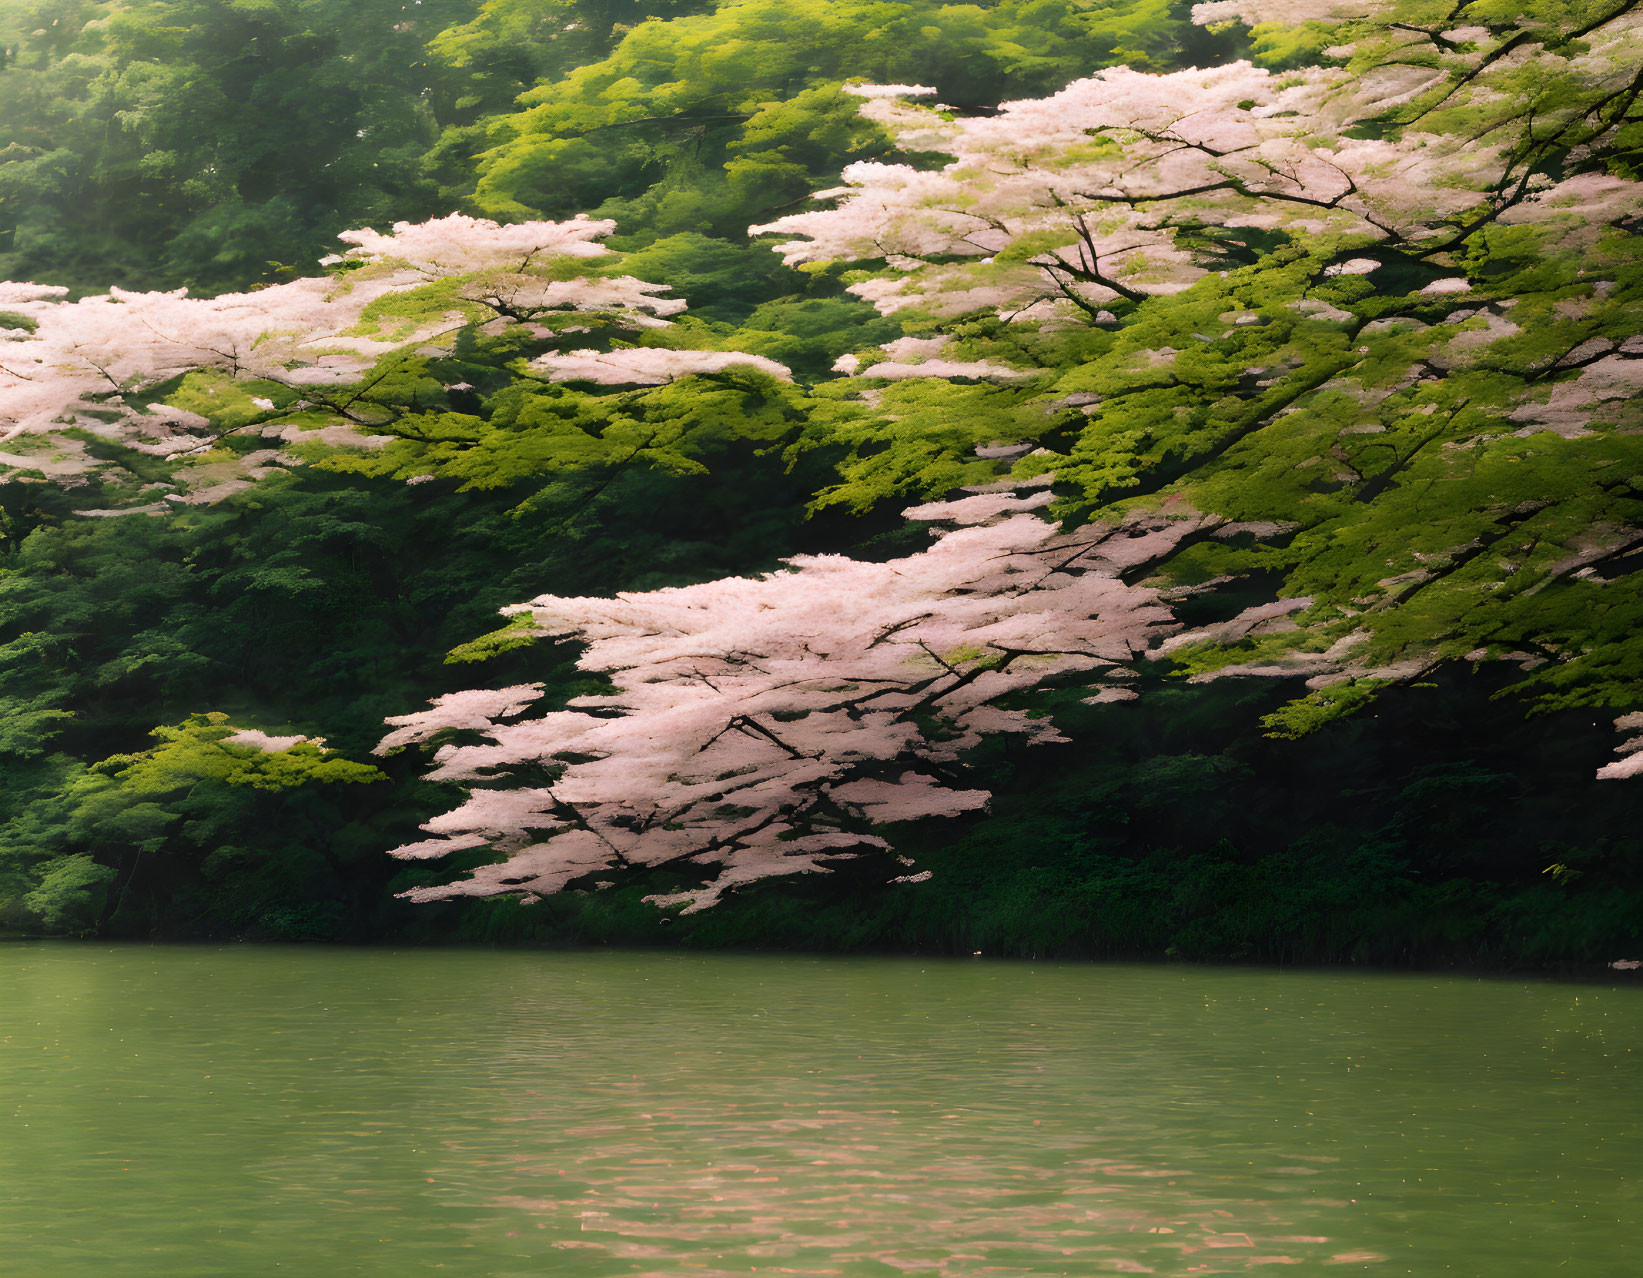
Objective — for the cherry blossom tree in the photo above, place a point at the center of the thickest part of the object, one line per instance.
(82, 363)
(1381, 304)
(1099, 195)
(326, 347)
(768, 726)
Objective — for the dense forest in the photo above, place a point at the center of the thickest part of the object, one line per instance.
(1078, 477)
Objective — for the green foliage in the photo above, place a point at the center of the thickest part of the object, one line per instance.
(707, 122)
(199, 751)
(70, 893)
(511, 45)
(529, 434)
(1311, 712)
(148, 142)
(520, 632)
(150, 819)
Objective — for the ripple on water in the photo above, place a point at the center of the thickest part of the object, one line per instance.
(191, 1111)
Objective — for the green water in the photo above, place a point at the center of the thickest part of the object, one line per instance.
(297, 1111)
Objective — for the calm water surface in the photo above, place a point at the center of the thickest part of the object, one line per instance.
(264, 1111)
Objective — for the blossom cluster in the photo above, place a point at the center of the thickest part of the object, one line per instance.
(1099, 193)
(84, 363)
(767, 726)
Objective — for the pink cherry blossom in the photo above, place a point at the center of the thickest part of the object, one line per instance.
(649, 366)
(84, 357)
(765, 726)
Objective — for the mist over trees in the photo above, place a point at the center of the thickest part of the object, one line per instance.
(1061, 477)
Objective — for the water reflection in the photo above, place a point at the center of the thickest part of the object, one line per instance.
(841, 1191)
(191, 1111)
